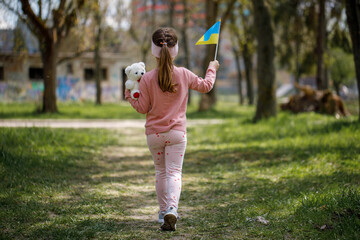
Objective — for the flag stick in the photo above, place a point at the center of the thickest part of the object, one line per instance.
(217, 45)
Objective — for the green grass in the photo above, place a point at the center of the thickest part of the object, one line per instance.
(300, 172)
(123, 110)
(88, 110)
(73, 110)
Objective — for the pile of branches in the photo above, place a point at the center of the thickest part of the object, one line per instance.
(311, 100)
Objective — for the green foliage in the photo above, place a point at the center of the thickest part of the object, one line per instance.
(340, 38)
(342, 68)
(296, 26)
(300, 172)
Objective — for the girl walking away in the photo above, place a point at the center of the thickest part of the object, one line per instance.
(163, 98)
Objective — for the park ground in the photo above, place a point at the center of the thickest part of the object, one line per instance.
(299, 172)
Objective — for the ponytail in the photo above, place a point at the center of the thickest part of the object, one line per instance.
(165, 70)
(165, 42)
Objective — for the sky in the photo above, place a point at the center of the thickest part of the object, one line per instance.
(8, 19)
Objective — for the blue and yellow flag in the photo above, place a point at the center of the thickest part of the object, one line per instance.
(211, 36)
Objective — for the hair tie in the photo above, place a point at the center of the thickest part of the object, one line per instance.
(155, 50)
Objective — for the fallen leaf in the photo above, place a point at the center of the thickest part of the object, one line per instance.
(262, 220)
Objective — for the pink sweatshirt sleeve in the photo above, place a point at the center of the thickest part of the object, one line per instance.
(203, 85)
(142, 105)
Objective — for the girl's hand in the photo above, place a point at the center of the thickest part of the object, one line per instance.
(215, 64)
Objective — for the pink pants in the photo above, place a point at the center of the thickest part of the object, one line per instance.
(167, 150)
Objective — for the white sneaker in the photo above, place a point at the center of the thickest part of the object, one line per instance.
(161, 216)
(170, 220)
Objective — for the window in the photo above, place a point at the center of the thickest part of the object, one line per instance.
(36, 74)
(89, 74)
(104, 74)
(69, 69)
(2, 78)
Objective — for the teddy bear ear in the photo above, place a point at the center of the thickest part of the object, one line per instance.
(142, 64)
(127, 70)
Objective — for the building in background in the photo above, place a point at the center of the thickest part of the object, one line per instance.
(21, 66)
(21, 72)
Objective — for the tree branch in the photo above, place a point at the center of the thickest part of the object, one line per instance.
(227, 13)
(133, 34)
(58, 16)
(40, 8)
(75, 55)
(70, 18)
(62, 5)
(39, 25)
(49, 10)
(13, 10)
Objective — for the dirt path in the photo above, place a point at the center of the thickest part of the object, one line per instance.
(91, 123)
(127, 173)
(120, 181)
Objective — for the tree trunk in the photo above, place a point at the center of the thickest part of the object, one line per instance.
(320, 45)
(238, 68)
(326, 69)
(248, 73)
(50, 38)
(97, 59)
(236, 41)
(266, 103)
(185, 41)
(297, 60)
(49, 54)
(353, 20)
(337, 88)
(171, 13)
(208, 100)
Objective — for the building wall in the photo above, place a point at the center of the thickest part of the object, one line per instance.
(71, 85)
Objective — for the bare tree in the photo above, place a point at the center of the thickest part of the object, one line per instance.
(208, 100)
(99, 9)
(247, 45)
(50, 33)
(266, 103)
(142, 26)
(320, 47)
(171, 12)
(236, 43)
(185, 39)
(353, 19)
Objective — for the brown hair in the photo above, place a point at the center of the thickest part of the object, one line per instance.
(165, 38)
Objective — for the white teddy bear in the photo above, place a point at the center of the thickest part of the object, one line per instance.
(134, 73)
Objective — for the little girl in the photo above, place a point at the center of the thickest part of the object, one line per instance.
(163, 98)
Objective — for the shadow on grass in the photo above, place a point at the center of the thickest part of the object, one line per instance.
(54, 186)
(72, 192)
(90, 228)
(238, 184)
(69, 202)
(228, 203)
(230, 132)
(230, 158)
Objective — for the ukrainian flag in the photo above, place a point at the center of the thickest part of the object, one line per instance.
(211, 36)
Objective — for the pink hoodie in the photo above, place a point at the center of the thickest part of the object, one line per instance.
(164, 110)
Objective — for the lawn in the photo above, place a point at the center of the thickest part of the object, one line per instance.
(70, 110)
(299, 172)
